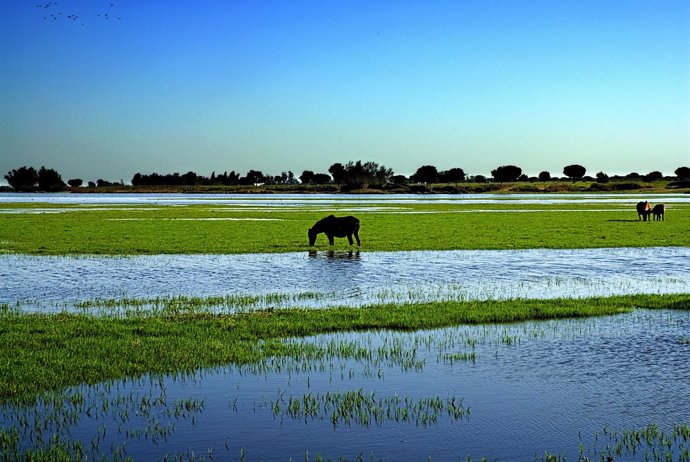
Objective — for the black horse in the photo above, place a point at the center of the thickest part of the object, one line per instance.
(643, 210)
(333, 226)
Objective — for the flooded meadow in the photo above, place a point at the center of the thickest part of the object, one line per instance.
(596, 387)
(568, 389)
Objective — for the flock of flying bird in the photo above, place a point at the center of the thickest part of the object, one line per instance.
(50, 6)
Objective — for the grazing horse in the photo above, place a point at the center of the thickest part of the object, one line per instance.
(658, 212)
(333, 226)
(643, 210)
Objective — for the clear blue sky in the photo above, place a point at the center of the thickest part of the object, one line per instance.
(288, 85)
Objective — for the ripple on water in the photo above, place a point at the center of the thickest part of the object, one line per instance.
(554, 385)
(349, 278)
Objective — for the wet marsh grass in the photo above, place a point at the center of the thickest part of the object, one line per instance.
(43, 352)
(186, 305)
(145, 412)
(190, 229)
(117, 416)
(141, 409)
(365, 408)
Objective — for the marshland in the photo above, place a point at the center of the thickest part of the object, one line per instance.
(203, 327)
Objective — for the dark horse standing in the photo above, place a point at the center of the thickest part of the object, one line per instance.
(333, 226)
(643, 210)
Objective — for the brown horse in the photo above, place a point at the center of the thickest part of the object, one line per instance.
(658, 212)
(643, 210)
(333, 226)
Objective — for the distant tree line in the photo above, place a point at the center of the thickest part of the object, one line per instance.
(353, 174)
(28, 179)
(224, 179)
(430, 174)
(360, 175)
(348, 176)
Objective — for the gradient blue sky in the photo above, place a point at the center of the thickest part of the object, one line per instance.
(289, 85)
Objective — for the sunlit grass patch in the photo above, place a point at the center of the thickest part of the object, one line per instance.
(436, 225)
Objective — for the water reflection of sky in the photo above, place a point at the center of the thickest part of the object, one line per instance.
(352, 279)
(533, 387)
(301, 200)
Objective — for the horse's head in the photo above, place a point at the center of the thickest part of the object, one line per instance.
(312, 236)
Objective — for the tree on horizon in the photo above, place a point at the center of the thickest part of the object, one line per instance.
(23, 178)
(253, 177)
(574, 171)
(425, 174)
(683, 173)
(506, 173)
(602, 178)
(307, 177)
(452, 175)
(322, 178)
(338, 173)
(653, 176)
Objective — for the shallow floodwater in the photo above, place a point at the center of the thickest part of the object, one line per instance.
(505, 392)
(287, 201)
(325, 279)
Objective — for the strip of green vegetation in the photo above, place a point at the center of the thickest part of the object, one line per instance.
(218, 229)
(42, 352)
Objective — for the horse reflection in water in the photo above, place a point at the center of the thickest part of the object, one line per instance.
(333, 226)
(343, 273)
(333, 255)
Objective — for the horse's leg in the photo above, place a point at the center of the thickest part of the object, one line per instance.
(356, 237)
(349, 238)
(330, 239)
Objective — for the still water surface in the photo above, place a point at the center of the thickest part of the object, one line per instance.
(352, 279)
(529, 388)
(301, 200)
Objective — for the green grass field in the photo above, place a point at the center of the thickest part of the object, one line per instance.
(218, 229)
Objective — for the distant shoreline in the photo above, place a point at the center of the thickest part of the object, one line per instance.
(541, 187)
